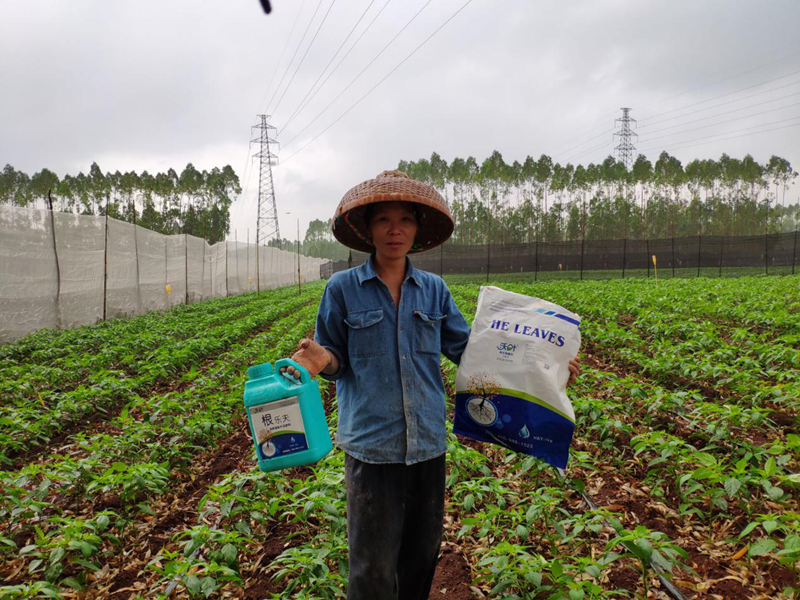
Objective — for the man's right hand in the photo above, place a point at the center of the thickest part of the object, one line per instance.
(314, 358)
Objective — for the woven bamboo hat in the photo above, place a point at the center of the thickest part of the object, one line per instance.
(435, 220)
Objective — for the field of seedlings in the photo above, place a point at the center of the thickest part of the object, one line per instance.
(128, 470)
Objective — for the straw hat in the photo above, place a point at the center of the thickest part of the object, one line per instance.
(435, 220)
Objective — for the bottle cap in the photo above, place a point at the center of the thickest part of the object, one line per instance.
(260, 371)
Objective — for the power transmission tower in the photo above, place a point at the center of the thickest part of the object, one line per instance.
(267, 221)
(625, 150)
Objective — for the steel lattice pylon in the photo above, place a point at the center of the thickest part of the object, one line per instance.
(267, 220)
(625, 150)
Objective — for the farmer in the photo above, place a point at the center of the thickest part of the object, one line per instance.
(380, 331)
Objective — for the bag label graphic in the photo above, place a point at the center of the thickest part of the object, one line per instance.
(278, 428)
(511, 382)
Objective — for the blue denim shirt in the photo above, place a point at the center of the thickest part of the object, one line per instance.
(389, 387)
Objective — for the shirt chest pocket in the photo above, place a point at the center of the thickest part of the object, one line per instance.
(366, 333)
(427, 332)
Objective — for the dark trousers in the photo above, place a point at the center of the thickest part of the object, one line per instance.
(394, 528)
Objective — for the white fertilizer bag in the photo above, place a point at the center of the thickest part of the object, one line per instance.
(511, 385)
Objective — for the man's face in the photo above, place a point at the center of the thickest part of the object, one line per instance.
(393, 228)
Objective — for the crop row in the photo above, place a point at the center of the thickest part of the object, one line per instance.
(65, 518)
(25, 422)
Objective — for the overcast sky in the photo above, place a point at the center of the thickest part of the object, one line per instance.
(153, 85)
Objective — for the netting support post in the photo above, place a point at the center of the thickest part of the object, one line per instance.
(488, 258)
(647, 246)
(186, 265)
(203, 272)
(226, 268)
(721, 247)
(583, 246)
(673, 258)
(624, 256)
(136, 252)
(699, 246)
(794, 253)
(238, 271)
(258, 271)
(248, 261)
(766, 253)
(58, 266)
(166, 271)
(299, 289)
(105, 262)
(536, 263)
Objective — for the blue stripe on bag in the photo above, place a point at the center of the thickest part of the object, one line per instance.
(516, 424)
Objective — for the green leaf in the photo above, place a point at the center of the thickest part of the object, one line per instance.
(73, 583)
(468, 502)
(748, 529)
(774, 492)
(646, 547)
(207, 586)
(770, 468)
(762, 547)
(102, 522)
(57, 554)
(732, 486)
(557, 569)
(229, 553)
(192, 584)
(660, 560)
(705, 459)
(769, 526)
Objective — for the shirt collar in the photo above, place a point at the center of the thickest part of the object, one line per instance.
(367, 271)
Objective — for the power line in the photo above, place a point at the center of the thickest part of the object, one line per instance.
(577, 137)
(300, 64)
(734, 101)
(360, 73)
(673, 149)
(707, 126)
(382, 80)
(296, 50)
(721, 96)
(733, 111)
(694, 129)
(322, 85)
(685, 90)
(606, 132)
(589, 151)
(299, 106)
(728, 138)
(280, 60)
(691, 89)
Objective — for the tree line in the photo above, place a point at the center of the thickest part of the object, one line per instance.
(503, 202)
(194, 202)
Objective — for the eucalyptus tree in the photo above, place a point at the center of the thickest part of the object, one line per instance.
(42, 184)
(642, 173)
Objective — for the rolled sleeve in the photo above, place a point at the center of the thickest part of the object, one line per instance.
(331, 332)
(455, 330)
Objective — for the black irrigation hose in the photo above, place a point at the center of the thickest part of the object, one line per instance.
(671, 588)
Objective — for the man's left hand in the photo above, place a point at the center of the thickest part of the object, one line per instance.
(574, 370)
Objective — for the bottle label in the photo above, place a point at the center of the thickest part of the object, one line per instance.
(278, 428)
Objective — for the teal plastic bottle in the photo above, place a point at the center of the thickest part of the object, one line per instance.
(287, 420)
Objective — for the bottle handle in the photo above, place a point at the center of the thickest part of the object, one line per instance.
(288, 362)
